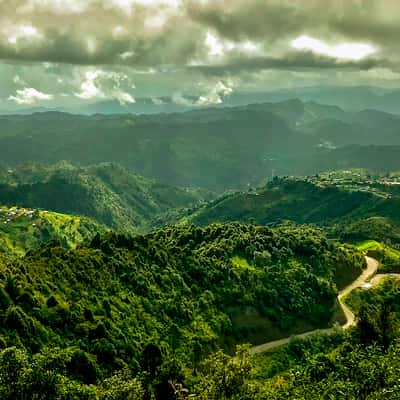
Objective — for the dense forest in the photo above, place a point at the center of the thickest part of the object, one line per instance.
(123, 314)
(167, 305)
(199, 200)
(107, 193)
(352, 205)
(207, 147)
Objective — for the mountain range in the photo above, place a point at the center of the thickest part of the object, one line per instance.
(350, 98)
(214, 148)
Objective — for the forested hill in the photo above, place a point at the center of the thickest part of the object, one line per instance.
(333, 198)
(174, 295)
(214, 148)
(107, 193)
(203, 148)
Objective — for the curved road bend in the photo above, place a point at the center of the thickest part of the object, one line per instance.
(368, 273)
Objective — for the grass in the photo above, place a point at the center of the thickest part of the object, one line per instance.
(368, 245)
(388, 257)
(22, 229)
(242, 264)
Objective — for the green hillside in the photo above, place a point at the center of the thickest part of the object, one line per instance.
(174, 294)
(23, 229)
(204, 148)
(106, 193)
(215, 148)
(340, 198)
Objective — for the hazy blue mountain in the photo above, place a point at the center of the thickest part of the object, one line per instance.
(349, 98)
(216, 148)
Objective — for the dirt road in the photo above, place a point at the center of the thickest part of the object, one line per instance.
(368, 273)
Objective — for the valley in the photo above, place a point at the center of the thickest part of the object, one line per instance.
(186, 251)
(207, 148)
(199, 200)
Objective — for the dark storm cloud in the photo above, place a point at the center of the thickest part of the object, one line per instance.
(122, 48)
(274, 19)
(291, 62)
(274, 23)
(125, 32)
(100, 32)
(264, 20)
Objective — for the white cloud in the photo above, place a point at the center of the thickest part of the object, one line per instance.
(57, 6)
(124, 97)
(99, 84)
(215, 46)
(18, 32)
(89, 88)
(127, 6)
(126, 55)
(157, 101)
(216, 94)
(177, 98)
(342, 51)
(30, 96)
(218, 48)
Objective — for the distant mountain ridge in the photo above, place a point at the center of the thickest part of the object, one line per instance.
(215, 148)
(349, 98)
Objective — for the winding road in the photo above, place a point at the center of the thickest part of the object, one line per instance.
(368, 273)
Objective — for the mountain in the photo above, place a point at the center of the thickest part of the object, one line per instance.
(107, 193)
(215, 148)
(327, 200)
(203, 148)
(349, 98)
(372, 157)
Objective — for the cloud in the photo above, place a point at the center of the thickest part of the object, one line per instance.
(290, 61)
(89, 88)
(175, 33)
(98, 84)
(157, 101)
(29, 96)
(181, 100)
(342, 51)
(83, 48)
(216, 94)
(17, 33)
(219, 48)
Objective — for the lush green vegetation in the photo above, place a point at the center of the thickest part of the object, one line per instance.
(215, 148)
(106, 193)
(361, 364)
(388, 257)
(354, 205)
(159, 315)
(23, 229)
(152, 307)
(199, 149)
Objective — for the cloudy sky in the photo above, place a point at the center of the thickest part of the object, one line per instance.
(63, 52)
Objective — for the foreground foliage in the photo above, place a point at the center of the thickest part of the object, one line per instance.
(155, 306)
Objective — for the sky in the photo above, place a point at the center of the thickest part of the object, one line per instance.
(72, 52)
